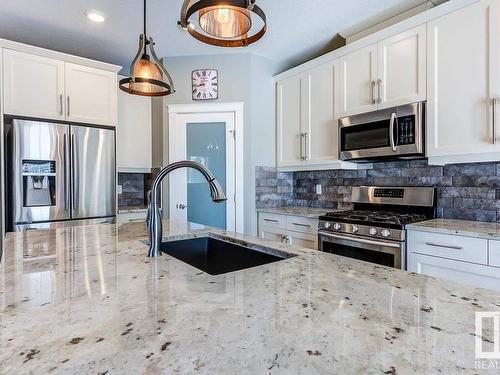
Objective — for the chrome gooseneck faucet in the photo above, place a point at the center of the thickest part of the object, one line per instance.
(154, 224)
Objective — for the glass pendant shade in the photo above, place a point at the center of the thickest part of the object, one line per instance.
(148, 76)
(147, 70)
(225, 21)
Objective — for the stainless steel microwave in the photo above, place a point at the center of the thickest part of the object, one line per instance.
(388, 133)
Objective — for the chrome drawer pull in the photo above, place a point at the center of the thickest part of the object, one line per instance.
(302, 225)
(271, 220)
(445, 246)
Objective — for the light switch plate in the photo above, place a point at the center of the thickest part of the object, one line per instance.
(119, 189)
(319, 189)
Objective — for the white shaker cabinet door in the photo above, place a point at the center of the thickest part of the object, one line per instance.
(309, 241)
(90, 95)
(134, 132)
(271, 234)
(33, 85)
(402, 68)
(320, 128)
(289, 112)
(463, 80)
(358, 75)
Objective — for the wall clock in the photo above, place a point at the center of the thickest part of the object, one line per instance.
(205, 84)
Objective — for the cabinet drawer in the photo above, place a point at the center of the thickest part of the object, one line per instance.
(494, 258)
(461, 272)
(272, 220)
(302, 224)
(466, 249)
(309, 241)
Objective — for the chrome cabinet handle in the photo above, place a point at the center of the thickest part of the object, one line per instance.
(444, 246)
(379, 99)
(391, 132)
(61, 104)
(302, 146)
(306, 146)
(494, 118)
(67, 109)
(302, 225)
(373, 92)
(271, 220)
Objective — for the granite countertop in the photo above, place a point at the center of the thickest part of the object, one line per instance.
(460, 227)
(86, 300)
(297, 211)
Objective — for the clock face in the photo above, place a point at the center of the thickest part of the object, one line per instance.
(205, 84)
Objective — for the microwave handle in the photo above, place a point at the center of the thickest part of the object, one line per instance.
(391, 132)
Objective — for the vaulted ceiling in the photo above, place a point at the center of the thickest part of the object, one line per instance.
(297, 28)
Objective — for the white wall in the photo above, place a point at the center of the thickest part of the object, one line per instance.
(243, 77)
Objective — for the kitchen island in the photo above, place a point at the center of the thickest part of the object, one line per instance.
(86, 300)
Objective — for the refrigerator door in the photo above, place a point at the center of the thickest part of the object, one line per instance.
(93, 173)
(40, 172)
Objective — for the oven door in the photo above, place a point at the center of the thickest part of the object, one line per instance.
(392, 132)
(386, 253)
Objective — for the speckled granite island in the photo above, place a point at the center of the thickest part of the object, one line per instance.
(86, 300)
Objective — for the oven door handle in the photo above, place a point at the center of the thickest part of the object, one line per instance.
(391, 132)
(361, 240)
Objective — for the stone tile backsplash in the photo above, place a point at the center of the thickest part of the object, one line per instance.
(465, 191)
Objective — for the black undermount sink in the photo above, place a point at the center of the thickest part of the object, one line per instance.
(216, 257)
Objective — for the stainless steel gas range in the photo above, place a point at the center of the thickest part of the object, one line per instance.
(374, 230)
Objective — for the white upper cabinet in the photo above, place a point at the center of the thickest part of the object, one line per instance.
(90, 95)
(357, 85)
(33, 85)
(134, 132)
(320, 128)
(46, 88)
(307, 120)
(402, 68)
(463, 64)
(289, 118)
(386, 74)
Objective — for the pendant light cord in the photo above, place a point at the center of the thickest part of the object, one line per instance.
(145, 20)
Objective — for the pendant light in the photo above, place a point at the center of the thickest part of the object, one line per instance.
(223, 23)
(148, 76)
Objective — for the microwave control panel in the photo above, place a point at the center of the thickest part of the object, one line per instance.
(406, 130)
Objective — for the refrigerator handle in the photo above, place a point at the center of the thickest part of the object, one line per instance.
(73, 172)
(65, 166)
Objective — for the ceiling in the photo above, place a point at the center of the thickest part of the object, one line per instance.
(298, 29)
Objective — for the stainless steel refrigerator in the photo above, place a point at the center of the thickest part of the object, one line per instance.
(59, 174)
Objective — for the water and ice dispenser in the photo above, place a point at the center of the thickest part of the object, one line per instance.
(39, 183)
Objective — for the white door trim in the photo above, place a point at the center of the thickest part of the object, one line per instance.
(237, 109)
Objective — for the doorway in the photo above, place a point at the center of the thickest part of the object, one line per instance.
(209, 134)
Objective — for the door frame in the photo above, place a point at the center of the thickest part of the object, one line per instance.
(236, 108)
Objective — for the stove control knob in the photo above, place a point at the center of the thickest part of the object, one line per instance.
(386, 233)
(355, 229)
(328, 225)
(373, 231)
(337, 226)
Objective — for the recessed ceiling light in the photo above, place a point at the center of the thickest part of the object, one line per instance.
(96, 15)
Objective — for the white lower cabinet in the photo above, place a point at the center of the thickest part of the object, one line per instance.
(462, 272)
(468, 260)
(293, 230)
(272, 234)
